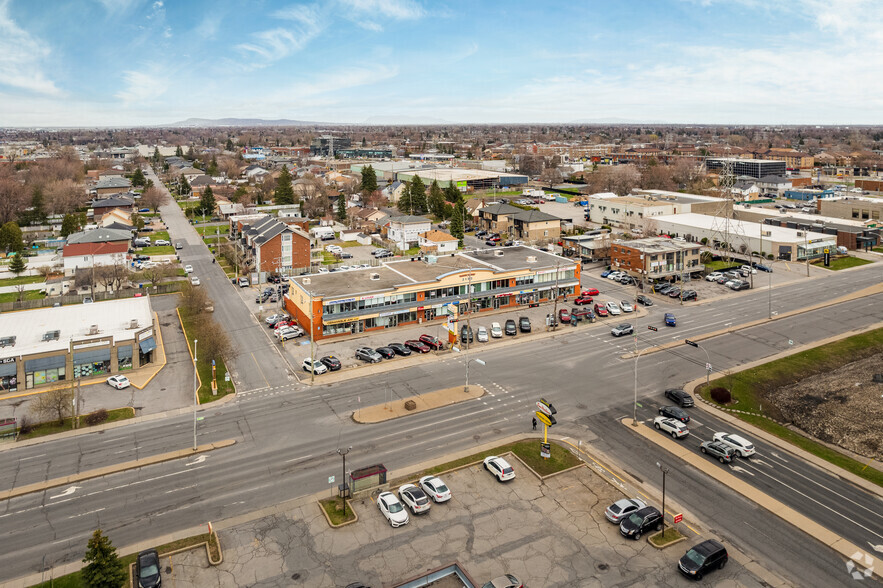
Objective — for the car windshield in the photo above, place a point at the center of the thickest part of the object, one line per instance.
(508, 470)
(696, 557)
(149, 569)
(395, 507)
(441, 489)
(615, 508)
(635, 519)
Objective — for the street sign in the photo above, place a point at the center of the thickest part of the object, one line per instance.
(330, 479)
(544, 409)
(545, 450)
(678, 518)
(707, 367)
(827, 257)
(545, 419)
(652, 328)
(549, 405)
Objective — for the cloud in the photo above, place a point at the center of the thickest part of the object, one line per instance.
(361, 12)
(275, 44)
(143, 86)
(115, 7)
(20, 57)
(208, 28)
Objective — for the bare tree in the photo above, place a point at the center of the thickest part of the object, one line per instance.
(194, 301)
(657, 177)
(104, 276)
(13, 198)
(214, 344)
(64, 196)
(119, 270)
(625, 178)
(56, 404)
(156, 274)
(153, 198)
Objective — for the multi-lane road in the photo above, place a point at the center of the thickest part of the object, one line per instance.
(287, 433)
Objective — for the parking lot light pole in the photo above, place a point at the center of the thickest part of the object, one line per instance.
(635, 405)
(195, 392)
(664, 472)
(342, 453)
(707, 360)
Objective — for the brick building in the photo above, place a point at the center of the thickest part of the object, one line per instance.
(655, 258)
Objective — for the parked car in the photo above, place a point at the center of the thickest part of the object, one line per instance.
(680, 396)
(179, 245)
(703, 558)
(742, 446)
(716, 449)
(481, 335)
(613, 308)
(623, 329)
(317, 367)
(331, 362)
(580, 300)
(433, 342)
(606, 273)
(505, 581)
(385, 352)
(286, 333)
(188, 269)
(623, 508)
(334, 249)
(670, 320)
(392, 509)
(418, 346)
(581, 314)
(763, 268)
(564, 316)
(399, 349)
(499, 467)
(414, 498)
(480, 233)
(723, 279)
(740, 285)
(435, 488)
(626, 306)
(141, 258)
(490, 243)
(162, 242)
(194, 281)
(746, 269)
(675, 412)
(674, 292)
(639, 522)
(713, 276)
(369, 355)
(590, 292)
(243, 282)
(147, 569)
(644, 300)
(524, 324)
(119, 382)
(275, 318)
(496, 330)
(600, 310)
(676, 429)
(510, 327)
(466, 334)
(662, 288)
(687, 295)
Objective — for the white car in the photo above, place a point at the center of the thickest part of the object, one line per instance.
(286, 333)
(747, 269)
(335, 249)
(481, 335)
(275, 318)
(627, 306)
(496, 330)
(674, 427)
(435, 488)
(613, 308)
(713, 276)
(393, 509)
(188, 269)
(742, 446)
(194, 281)
(161, 242)
(317, 367)
(414, 498)
(499, 467)
(614, 275)
(118, 382)
(623, 508)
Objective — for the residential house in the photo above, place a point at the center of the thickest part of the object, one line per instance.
(745, 191)
(535, 225)
(394, 191)
(405, 230)
(436, 241)
(227, 210)
(368, 220)
(97, 247)
(255, 174)
(111, 185)
(117, 218)
(497, 217)
(655, 257)
(190, 173)
(199, 183)
(106, 205)
(272, 246)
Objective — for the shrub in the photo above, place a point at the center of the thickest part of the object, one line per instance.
(96, 418)
(721, 395)
(24, 426)
(410, 405)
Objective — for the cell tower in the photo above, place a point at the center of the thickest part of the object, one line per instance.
(721, 226)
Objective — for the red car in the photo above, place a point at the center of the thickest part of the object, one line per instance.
(433, 342)
(590, 292)
(600, 310)
(583, 300)
(417, 346)
(564, 316)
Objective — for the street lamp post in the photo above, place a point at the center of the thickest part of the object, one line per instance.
(343, 453)
(468, 361)
(664, 472)
(707, 360)
(635, 405)
(195, 392)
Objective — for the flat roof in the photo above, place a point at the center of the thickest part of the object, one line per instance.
(657, 244)
(692, 220)
(740, 160)
(799, 216)
(444, 174)
(404, 272)
(112, 317)
(680, 197)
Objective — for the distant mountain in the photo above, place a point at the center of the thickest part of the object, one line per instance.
(398, 119)
(242, 122)
(614, 121)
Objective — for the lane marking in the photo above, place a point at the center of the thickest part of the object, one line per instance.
(82, 514)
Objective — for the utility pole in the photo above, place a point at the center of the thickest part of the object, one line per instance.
(195, 393)
(806, 250)
(555, 302)
(664, 472)
(343, 453)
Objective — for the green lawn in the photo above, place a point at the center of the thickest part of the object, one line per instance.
(333, 507)
(207, 230)
(50, 428)
(719, 265)
(22, 280)
(840, 263)
(529, 452)
(157, 250)
(156, 235)
(212, 239)
(748, 387)
(28, 295)
(878, 249)
(204, 368)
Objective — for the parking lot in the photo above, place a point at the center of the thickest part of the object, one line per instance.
(548, 534)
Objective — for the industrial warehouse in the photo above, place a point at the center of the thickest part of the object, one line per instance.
(427, 288)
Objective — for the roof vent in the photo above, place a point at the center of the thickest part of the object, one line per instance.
(51, 335)
(7, 341)
(531, 259)
(133, 324)
(93, 330)
(375, 276)
(498, 253)
(306, 281)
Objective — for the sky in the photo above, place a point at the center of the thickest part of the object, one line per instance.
(84, 63)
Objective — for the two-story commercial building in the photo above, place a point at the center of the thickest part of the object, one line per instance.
(272, 246)
(655, 258)
(428, 288)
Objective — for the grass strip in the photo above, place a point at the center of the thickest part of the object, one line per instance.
(839, 263)
(528, 450)
(665, 537)
(21, 280)
(53, 427)
(333, 507)
(28, 295)
(204, 366)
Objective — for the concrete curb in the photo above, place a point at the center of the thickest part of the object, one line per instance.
(869, 291)
(379, 413)
(785, 513)
(724, 414)
(113, 469)
(667, 545)
(343, 524)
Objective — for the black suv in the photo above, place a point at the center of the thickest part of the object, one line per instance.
(331, 362)
(465, 334)
(510, 327)
(524, 324)
(679, 396)
(399, 349)
(673, 412)
(147, 569)
(647, 519)
(703, 558)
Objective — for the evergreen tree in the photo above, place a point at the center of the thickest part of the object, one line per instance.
(37, 214)
(138, 178)
(191, 154)
(458, 220)
(417, 192)
(369, 180)
(10, 237)
(239, 193)
(185, 185)
(404, 202)
(213, 167)
(207, 202)
(436, 200)
(179, 152)
(284, 193)
(452, 194)
(138, 220)
(69, 225)
(103, 567)
(341, 208)
(230, 146)
(17, 265)
(156, 155)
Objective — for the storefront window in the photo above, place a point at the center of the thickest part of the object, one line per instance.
(91, 363)
(45, 370)
(8, 376)
(124, 357)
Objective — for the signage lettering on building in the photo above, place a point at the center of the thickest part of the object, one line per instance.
(92, 344)
(145, 334)
(7, 360)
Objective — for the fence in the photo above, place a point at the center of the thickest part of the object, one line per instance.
(78, 298)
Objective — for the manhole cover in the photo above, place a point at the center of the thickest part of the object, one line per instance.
(168, 569)
(476, 437)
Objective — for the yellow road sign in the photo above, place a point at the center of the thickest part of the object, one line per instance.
(544, 419)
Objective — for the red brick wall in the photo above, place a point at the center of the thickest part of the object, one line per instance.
(271, 255)
(300, 251)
